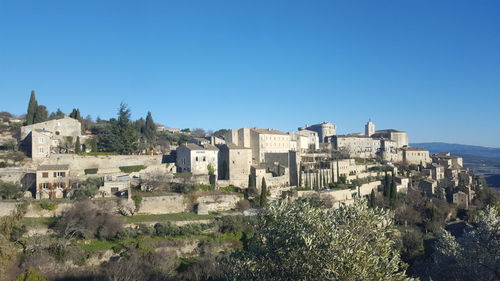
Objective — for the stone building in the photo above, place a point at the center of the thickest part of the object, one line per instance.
(369, 129)
(447, 160)
(402, 183)
(51, 181)
(41, 139)
(234, 162)
(114, 185)
(324, 130)
(399, 137)
(357, 145)
(416, 156)
(461, 199)
(195, 159)
(38, 144)
(428, 186)
(437, 172)
(65, 126)
(261, 141)
(304, 140)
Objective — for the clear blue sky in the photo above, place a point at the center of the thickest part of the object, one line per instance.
(431, 68)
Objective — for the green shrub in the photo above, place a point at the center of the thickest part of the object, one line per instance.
(132, 169)
(91, 171)
(144, 229)
(49, 206)
(125, 233)
(206, 187)
(31, 274)
(229, 189)
(137, 201)
(182, 175)
(169, 229)
(185, 188)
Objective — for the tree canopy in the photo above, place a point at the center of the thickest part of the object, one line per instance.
(297, 241)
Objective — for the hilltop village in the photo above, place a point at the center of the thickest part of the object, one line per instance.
(107, 196)
(61, 155)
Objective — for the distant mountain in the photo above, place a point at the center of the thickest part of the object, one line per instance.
(459, 149)
(482, 160)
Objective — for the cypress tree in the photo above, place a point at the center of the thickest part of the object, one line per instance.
(41, 114)
(300, 177)
(32, 107)
(263, 193)
(77, 145)
(149, 128)
(387, 185)
(75, 114)
(372, 199)
(338, 171)
(394, 191)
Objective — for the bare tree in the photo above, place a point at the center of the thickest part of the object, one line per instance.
(154, 180)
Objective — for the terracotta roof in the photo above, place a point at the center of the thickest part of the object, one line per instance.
(268, 131)
(52, 167)
(413, 149)
(388, 131)
(193, 146)
(231, 145)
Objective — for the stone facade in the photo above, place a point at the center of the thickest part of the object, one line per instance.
(234, 162)
(304, 140)
(461, 199)
(416, 156)
(38, 144)
(195, 159)
(324, 130)
(52, 181)
(428, 186)
(41, 139)
(399, 137)
(357, 145)
(65, 126)
(114, 185)
(261, 141)
(369, 129)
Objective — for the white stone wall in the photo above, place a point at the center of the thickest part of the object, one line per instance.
(63, 127)
(102, 162)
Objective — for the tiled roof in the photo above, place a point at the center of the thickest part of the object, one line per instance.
(268, 131)
(193, 146)
(52, 167)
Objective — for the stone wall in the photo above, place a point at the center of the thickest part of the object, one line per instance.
(112, 162)
(217, 203)
(6, 208)
(167, 204)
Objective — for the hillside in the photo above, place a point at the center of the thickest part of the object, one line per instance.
(459, 149)
(482, 160)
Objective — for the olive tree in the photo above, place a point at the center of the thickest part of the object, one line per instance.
(473, 256)
(298, 241)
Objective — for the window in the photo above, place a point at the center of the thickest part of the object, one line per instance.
(45, 185)
(41, 149)
(41, 140)
(204, 158)
(59, 174)
(114, 190)
(45, 175)
(196, 159)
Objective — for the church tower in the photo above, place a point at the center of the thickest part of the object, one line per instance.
(369, 129)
